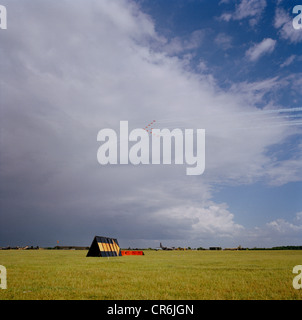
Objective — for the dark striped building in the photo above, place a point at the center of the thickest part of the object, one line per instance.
(104, 247)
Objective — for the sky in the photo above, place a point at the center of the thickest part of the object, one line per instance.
(72, 68)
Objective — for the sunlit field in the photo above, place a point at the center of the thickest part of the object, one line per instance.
(164, 275)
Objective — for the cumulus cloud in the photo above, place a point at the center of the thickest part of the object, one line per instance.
(266, 46)
(288, 61)
(246, 9)
(278, 232)
(209, 220)
(288, 231)
(283, 226)
(249, 8)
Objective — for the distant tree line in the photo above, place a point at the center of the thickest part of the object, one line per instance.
(280, 248)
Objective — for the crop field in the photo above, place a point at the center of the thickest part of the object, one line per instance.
(163, 275)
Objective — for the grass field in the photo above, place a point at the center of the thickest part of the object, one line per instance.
(164, 275)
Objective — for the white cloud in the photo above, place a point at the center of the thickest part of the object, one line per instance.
(281, 17)
(246, 9)
(299, 217)
(279, 232)
(254, 92)
(284, 227)
(226, 16)
(178, 45)
(249, 8)
(266, 46)
(223, 1)
(287, 170)
(224, 41)
(288, 61)
(202, 66)
(213, 220)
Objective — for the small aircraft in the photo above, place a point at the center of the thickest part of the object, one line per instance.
(166, 248)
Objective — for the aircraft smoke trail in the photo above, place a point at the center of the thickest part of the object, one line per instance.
(180, 123)
(172, 122)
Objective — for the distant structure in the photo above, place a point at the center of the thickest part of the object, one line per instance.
(235, 249)
(132, 253)
(104, 247)
(70, 248)
(215, 248)
(166, 248)
(20, 248)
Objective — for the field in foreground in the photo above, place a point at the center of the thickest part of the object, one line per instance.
(164, 275)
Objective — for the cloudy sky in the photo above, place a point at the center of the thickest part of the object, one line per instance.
(72, 68)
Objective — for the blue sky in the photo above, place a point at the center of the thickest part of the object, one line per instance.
(225, 42)
(223, 52)
(72, 68)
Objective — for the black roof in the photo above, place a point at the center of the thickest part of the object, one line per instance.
(100, 238)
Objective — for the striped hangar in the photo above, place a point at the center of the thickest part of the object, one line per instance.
(104, 247)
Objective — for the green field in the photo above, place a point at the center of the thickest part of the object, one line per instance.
(164, 275)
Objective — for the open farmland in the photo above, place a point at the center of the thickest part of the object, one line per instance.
(164, 275)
